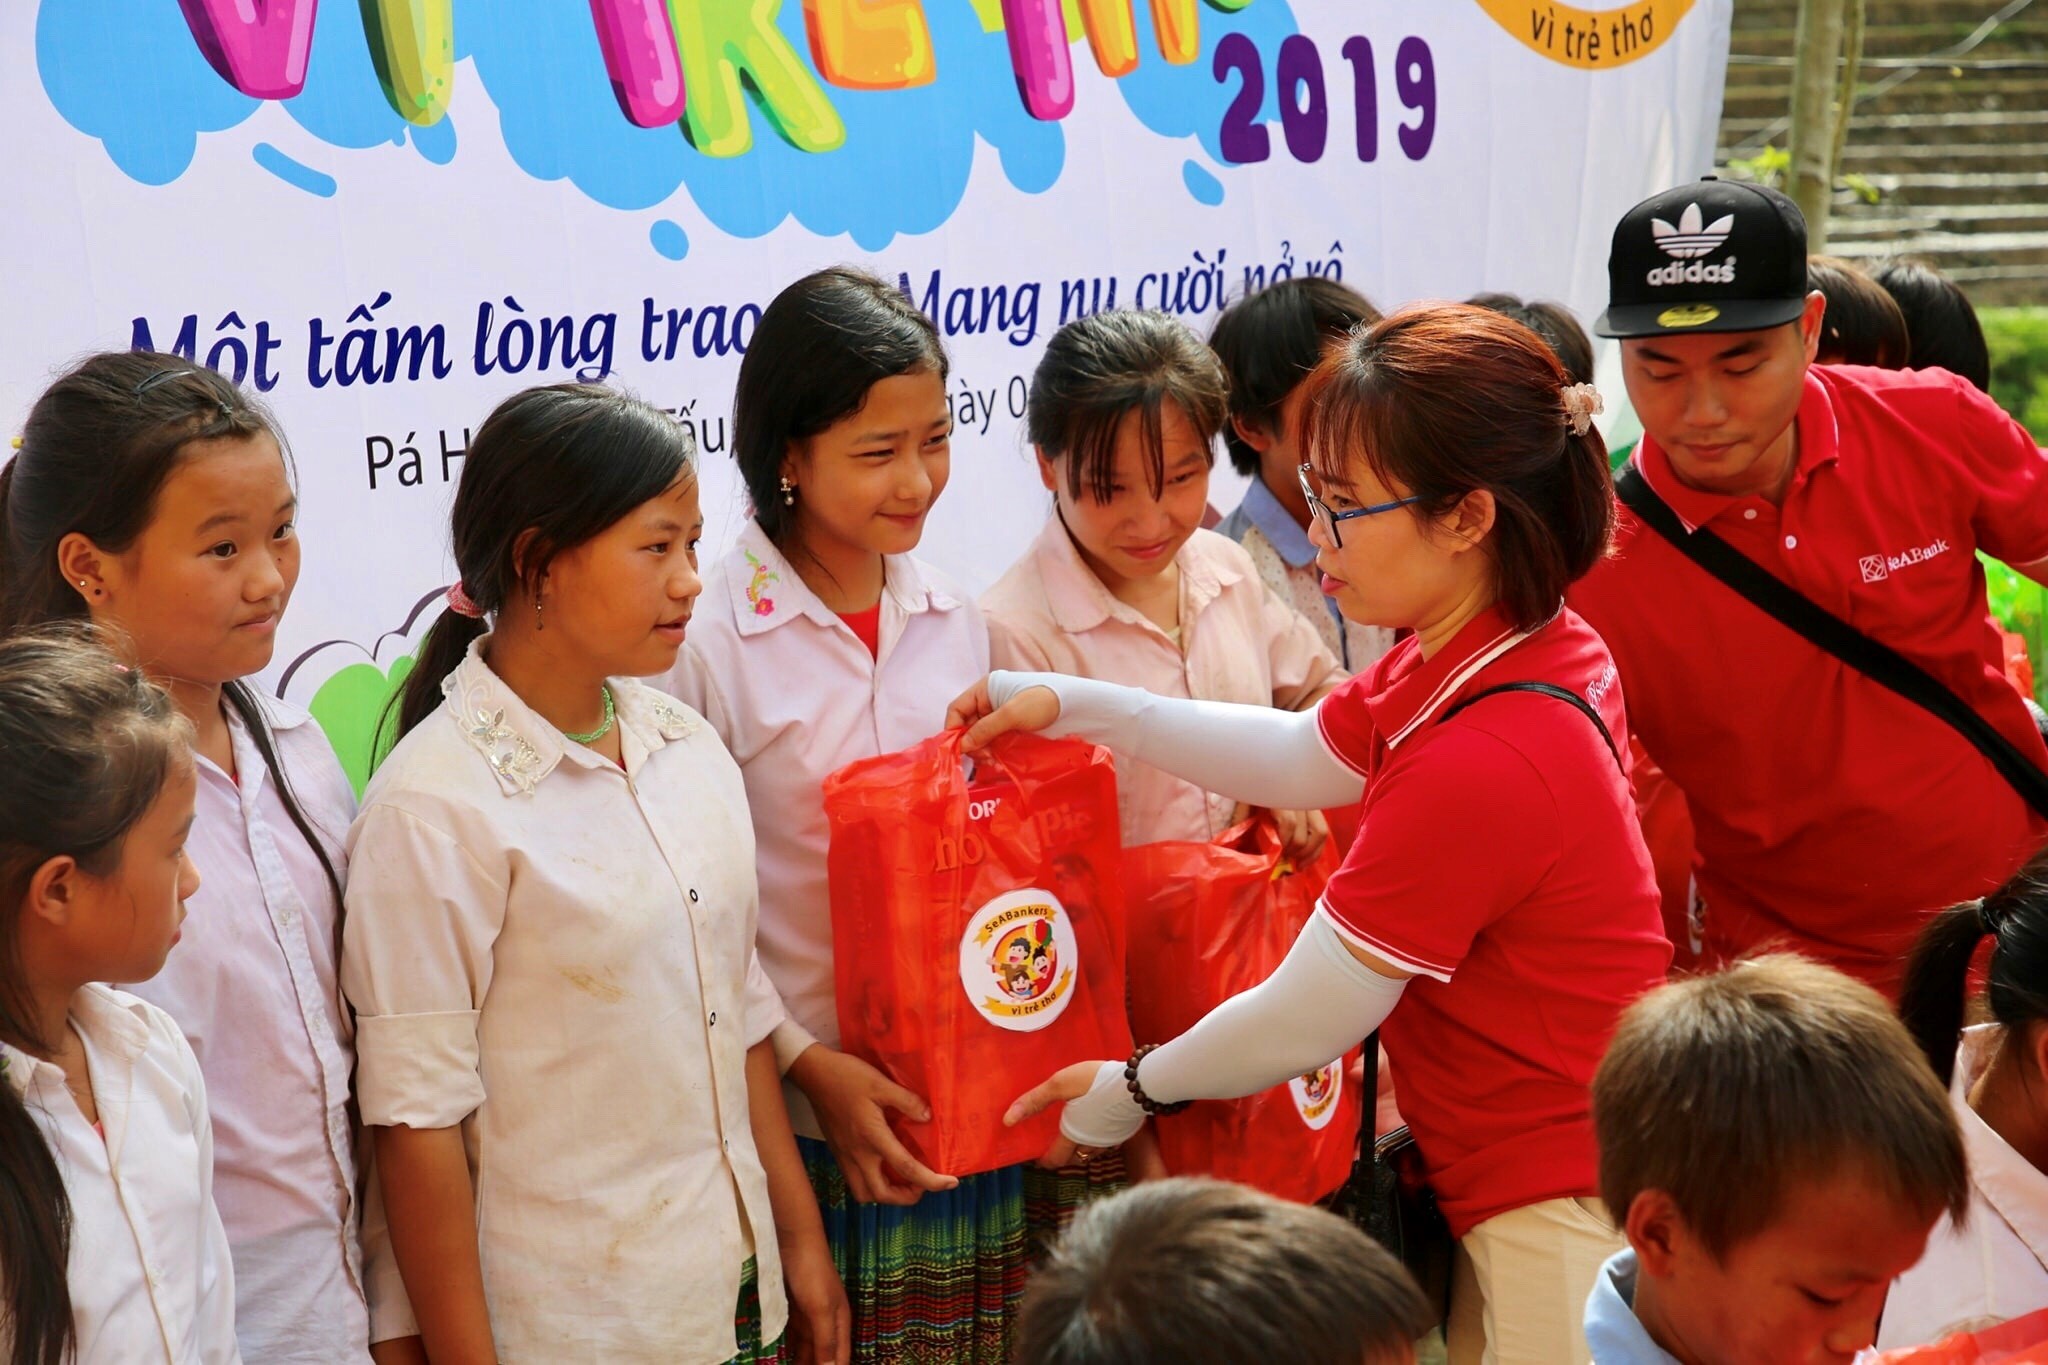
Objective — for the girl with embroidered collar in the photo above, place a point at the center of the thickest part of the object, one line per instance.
(111, 1252)
(822, 640)
(154, 497)
(550, 945)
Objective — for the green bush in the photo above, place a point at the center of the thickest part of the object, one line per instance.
(2018, 338)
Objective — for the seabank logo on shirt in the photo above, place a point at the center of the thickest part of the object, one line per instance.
(1877, 568)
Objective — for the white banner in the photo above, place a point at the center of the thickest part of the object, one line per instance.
(385, 218)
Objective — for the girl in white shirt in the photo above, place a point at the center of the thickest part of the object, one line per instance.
(563, 1028)
(821, 640)
(153, 496)
(111, 1252)
(1994, 1265)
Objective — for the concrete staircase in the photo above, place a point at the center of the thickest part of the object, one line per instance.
(1957, 148)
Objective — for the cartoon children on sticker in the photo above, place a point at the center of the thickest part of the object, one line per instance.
(1026, 960)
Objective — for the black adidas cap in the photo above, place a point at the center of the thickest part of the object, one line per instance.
(1716, 256)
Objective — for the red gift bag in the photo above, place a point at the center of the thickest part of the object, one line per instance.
(977, 931)
(2021, 1341)
(1209, 921)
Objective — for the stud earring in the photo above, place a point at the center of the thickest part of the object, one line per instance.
(788, 493)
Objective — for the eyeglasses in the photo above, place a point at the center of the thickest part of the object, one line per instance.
(1321, 510)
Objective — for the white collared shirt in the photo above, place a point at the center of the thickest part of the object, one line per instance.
(556, 954)
(1995, 1267)
(252, 984)
(797, 697)
(150, 1275)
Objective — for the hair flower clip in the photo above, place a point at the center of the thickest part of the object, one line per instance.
(1582, 402)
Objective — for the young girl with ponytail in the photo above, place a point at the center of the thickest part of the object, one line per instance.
(550, 941)
(1993, 1265)
(111, 1252)
(152, 496)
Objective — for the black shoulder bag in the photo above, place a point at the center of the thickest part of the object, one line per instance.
(1388, 1193)
(1823, 629)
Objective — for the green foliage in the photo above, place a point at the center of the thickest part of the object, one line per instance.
(2018, 338)
(1773, 165)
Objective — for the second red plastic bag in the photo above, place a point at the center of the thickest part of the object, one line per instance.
(1209, 921)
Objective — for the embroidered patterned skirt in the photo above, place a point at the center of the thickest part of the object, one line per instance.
(1052, 1198)
(746, 1324)
(933, 1284)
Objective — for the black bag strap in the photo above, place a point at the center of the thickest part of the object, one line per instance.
(1544, 689)
(1823, 629)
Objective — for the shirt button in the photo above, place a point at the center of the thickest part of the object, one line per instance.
(714, 1018)
(156, 1278)
(1791, 542)
(1749, 514)
(693, 895)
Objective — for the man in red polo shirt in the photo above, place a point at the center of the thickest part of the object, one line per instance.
(1832, 815)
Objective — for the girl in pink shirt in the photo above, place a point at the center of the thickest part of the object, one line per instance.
(1123, 585)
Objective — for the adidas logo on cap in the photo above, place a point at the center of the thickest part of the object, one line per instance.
(1689, 240)
(1693, 238)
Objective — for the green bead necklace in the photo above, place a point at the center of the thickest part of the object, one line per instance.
(610, 714)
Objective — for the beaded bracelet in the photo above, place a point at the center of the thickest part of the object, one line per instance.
(1146, 1102)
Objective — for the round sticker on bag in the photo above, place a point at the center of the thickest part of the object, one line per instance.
(1315, 1094)
(1018, 958)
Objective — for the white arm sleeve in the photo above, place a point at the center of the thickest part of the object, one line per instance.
(1316, 1006)
(1254, 754)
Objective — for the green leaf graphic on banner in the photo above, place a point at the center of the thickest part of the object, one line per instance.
(349, 707)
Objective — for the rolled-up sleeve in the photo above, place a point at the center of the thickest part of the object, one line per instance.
(765, 1010)
(423, 916)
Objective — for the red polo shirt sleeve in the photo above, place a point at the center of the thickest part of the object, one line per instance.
(1458, 829)
(2011, 476)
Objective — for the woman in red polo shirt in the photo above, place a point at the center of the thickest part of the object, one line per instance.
(1498, 909)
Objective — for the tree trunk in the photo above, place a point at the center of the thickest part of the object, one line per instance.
(1817, 45)
(1845, 97)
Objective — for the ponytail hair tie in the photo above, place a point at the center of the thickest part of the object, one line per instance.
(1581, 403)
(1991, 917)
(462, 604)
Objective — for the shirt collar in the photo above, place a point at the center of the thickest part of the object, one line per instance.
(1418, 688)
(522, 748)
(1277, 525)
(250, 770)
(766, 592)
(1614, 1333)
(2007, 1181)
(117, 1024)
(1079, 601)
(1820, 443)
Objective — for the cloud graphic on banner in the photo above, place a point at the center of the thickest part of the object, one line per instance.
(136, 79)
(1188, 101)
(343, 103)
(544, 67)
(128, 73)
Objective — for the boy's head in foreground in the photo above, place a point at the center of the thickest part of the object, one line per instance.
(1776, 1150)
(1201, 1272)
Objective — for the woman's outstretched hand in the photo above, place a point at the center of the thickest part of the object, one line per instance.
(1099, 1114)
(1032, 709)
